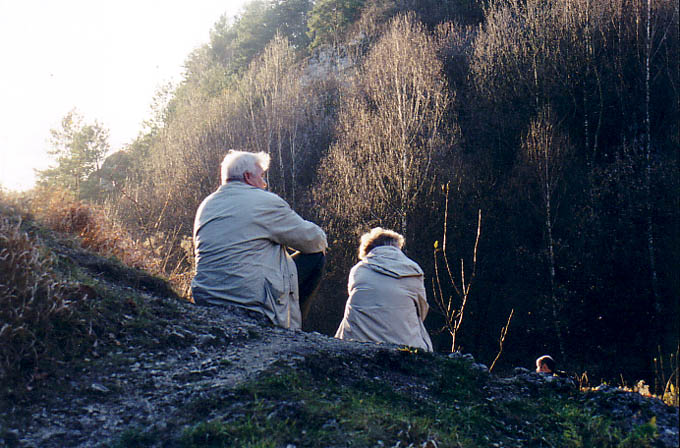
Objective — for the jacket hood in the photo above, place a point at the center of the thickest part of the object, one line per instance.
(390, 260)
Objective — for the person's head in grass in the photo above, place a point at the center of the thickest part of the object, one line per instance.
(545, 364)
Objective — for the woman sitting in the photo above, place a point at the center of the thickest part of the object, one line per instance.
(387, 301)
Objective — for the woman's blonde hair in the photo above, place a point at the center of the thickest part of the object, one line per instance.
(379, 237)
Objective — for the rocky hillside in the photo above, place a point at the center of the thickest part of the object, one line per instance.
(157, 371)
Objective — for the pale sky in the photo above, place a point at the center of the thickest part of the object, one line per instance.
(106, 59)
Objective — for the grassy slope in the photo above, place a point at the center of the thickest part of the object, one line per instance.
(400, 398)
(91, 293)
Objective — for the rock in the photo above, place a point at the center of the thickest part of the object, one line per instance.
(207, 339)
(99, 388)
(10, 437)
(459, 355)
(480, 368)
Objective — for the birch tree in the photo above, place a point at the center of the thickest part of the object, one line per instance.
(546, 150)
(276, 104)
(390, 130)
(648, 159)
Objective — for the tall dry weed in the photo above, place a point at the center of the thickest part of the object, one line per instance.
(61, 211)
(99, 232)
(37, 318)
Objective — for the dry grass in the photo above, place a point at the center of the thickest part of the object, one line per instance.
(37, 309)
(180, 278)
(45, 315)
(667, 377)
(669, 393)
(98, 232)
(60, 211)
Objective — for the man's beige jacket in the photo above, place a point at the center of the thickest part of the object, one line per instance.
(387, 301)
(240, 237)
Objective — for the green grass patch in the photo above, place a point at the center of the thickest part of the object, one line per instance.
(322, 404)
(329, 401)
(135, 438)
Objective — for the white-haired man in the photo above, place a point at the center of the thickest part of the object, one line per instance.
(241, 236)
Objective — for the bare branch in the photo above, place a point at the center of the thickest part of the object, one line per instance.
(504, 333)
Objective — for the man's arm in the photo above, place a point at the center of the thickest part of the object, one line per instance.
(289, 229)
(422, 304)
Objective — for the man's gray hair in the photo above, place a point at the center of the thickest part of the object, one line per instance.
(237, 163)
(379, 237)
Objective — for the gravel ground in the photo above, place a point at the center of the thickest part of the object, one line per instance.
(141, 384)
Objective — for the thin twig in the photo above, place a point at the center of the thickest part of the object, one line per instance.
(446, 260)
(504, 332)
(453, 318)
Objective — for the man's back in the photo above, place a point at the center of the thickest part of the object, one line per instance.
(240, 235)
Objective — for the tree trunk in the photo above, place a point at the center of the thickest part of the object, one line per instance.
(551, 250)
(648, 168)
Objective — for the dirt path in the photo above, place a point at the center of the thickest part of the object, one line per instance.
(143, 383)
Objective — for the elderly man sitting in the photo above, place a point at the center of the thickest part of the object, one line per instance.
(241, 236)
(387, 301)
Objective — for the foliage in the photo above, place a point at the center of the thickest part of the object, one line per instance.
(135, 437)
(233, 45)
(235, 42)
(327, 400)
(329, 19)
(78, 149)
(290, 17)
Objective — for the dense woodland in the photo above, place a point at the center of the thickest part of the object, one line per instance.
(528, 151)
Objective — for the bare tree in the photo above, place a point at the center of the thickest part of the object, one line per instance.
(501, 340)
(545, 150)
(273, 92)
(390, 129)
(453, 316)
(648, 161)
